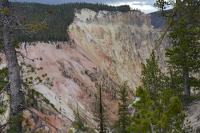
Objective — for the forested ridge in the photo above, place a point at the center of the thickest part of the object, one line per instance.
(61, 17)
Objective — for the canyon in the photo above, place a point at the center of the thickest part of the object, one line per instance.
(105, 48)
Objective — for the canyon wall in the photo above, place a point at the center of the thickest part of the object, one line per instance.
(105, 48)
(117, 42)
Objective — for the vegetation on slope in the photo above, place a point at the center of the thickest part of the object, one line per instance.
(61, 17)
(159, 107)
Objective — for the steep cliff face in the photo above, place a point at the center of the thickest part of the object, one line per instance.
(105, 48)
(65, 66)
(117, 42)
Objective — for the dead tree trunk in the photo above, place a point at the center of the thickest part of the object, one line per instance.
(101, 110)
(16, 96)
(186, 80)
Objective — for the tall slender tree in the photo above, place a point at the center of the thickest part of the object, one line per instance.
(123, 111)
(16, 96)
(79, 123)
(183, 24)
(14, 78)
(156, 81)
(152, 77)
(100, 111)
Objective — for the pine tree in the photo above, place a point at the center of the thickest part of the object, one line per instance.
(148, 120)
(172, 120)
(158, 109)
(123, 111)
(13, 66)
(143, 120)
(12, 75)
(99, 111)
(183, 56)
(79, 123)
(152, 78)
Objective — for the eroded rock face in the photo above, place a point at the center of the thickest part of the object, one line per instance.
(75, 77)
(106, 48)
(117, 42)
(193, 113)
(71, 88)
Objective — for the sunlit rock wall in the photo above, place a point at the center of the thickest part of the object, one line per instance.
(105, 48)
(117, 42)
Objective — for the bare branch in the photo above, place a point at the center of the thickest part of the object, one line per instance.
(43, 125)
(24, 56)
(28, 32)
(4, 125)
(40, 118)
(4, 88)
(3, 80)
(152, 127)
(166, 30)
(29, 85)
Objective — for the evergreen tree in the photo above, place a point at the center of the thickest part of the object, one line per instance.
(13, 66)
(100, 111)
(183, 56)
(11, 76)
(123, 111)
(156, 82)
(143, 120)
(152, 78)
(79, 123)
(172, 120)
(146, 120)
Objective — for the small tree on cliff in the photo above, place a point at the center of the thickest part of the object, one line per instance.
(79, 123)
(123, 112)
(170, 119)
(99, 111)
(144, 119)
(152, 77)
(157, 82)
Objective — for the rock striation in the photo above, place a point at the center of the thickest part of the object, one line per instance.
(117, 42)
(105, 48)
